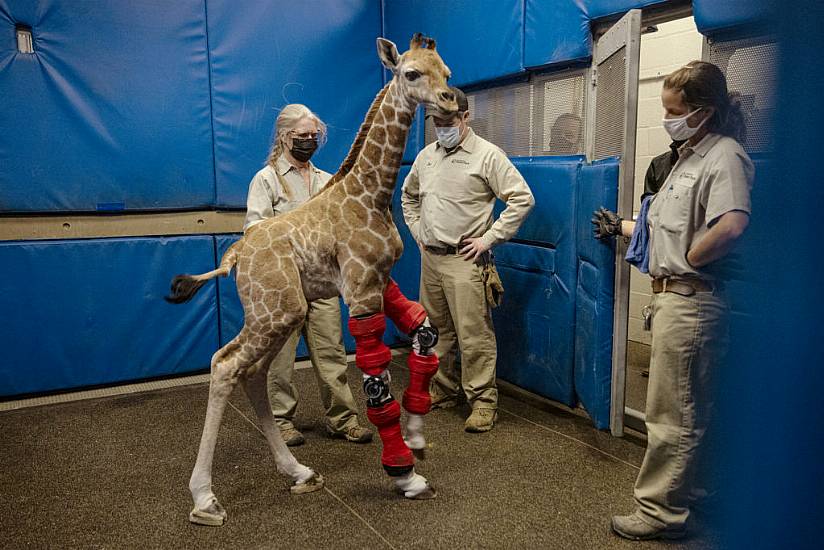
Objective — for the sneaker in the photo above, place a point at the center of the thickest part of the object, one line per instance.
(481, 420)
(292, 437)
(355, 434)
(632, 527)
(441, 400)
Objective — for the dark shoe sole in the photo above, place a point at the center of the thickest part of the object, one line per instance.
(339, 435)
(663, 534)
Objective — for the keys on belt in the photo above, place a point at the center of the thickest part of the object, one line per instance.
(684, 287)
(442, 250)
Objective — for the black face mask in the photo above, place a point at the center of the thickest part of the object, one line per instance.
(303, 149)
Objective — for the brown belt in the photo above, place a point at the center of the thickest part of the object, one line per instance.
(684, 287)
(442, 250)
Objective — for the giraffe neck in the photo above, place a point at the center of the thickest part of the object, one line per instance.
(380, 158)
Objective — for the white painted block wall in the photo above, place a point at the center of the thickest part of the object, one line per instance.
(674, 45)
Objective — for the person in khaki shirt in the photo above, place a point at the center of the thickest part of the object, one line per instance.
(447, 201)
(288, 180)
(694, 221)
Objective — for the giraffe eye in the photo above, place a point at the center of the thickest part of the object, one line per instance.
(412, 75)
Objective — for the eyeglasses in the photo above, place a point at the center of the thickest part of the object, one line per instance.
(304, 135)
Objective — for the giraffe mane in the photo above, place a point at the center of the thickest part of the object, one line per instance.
(349, 162)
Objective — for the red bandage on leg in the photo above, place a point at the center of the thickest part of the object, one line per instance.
(396, 457)
(371, 354)
(406, 314)
(422, 368)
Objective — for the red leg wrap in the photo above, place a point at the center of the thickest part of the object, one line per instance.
(422, 368)
(396, 456)
(371, 354)
(406, 314)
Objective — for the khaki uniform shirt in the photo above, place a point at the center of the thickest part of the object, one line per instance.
(449, 196)
(268, 198)
(710, 179)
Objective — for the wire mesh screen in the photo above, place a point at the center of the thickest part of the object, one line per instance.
(610, 106)
(545, 116)
(750, 65)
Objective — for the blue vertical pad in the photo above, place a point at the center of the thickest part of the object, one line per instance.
(110, 112)
(478, 39)
(596, 9)
(89, 312)
(265, 55)
(407, 271)
(594, 293)
(538, 269)
(555, 31)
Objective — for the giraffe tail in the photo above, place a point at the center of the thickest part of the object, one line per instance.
(184, 287)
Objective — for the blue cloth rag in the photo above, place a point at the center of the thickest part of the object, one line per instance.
(638, 251)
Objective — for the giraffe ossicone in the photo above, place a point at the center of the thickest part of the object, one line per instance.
(344, 242)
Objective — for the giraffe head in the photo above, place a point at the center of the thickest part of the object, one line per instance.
(420, 73)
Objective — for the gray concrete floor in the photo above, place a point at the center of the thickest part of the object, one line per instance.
(113, 473)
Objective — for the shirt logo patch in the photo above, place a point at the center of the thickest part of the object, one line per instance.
(460, 161)
(687, 175)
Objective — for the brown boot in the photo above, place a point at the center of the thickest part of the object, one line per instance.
(355, 434)
(292, 437)
(481, 420)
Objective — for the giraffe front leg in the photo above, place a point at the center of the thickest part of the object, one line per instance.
(304, 479)
(410, 318)
(372, 356)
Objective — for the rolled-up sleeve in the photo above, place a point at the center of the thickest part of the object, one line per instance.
(510, 186)
(411, 201)
(728, 186)
(259, 202)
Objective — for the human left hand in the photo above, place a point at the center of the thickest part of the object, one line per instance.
(473, 248)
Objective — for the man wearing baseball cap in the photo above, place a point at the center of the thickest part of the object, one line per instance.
(447, 200)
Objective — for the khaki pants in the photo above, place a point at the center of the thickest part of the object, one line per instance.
(452, 292)
(324, 338)
(689, 340)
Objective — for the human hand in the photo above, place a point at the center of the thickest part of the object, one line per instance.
(607, 223)
(474, 247)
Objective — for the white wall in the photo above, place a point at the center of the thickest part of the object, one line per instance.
(675, 44)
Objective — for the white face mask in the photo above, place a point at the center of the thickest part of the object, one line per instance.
(678, 129)
(448, 136)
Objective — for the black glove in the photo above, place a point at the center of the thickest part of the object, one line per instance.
(607, 223)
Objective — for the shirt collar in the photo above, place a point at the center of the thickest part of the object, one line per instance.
(283, 166)
(468, 143)
(703, 147)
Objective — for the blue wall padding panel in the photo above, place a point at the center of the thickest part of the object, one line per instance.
(594, 294)
(602, 8)
(414, 143)
(533, 327)
(265, 55)
(555, 31)
(88, 312)
(712, 16)
(478, 39)
(112, 109)
(539, 281)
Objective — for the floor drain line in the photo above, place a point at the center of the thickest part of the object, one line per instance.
(584, 443)
(336, 497)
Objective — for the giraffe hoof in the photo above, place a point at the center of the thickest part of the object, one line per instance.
(311, 485)
(427, 494)
(214, 515)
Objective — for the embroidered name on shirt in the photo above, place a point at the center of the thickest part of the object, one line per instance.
(460, 161)
(687, 175)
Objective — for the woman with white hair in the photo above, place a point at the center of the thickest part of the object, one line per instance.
(288, 180)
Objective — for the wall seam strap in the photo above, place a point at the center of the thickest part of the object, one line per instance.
(211, 103)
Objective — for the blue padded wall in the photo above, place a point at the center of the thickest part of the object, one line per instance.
(597, 9)
(597, 186)
(478, 39)
(407, 271)
(266, 55)
(535, 322)
(90, 312)
(555, 31)
(712, 16)
(110, 112)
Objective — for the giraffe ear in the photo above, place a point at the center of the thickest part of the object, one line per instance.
(388, 53)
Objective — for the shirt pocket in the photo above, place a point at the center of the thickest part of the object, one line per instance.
(676, 210)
